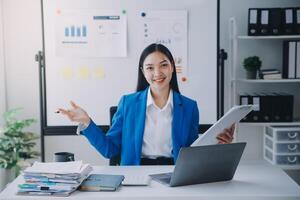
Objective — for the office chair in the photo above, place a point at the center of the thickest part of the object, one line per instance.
(116, 159)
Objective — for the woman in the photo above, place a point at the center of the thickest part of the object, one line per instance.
(151, 125)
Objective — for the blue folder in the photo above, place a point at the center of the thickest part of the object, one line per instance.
(101, 182)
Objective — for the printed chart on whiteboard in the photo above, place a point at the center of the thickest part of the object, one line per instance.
(91, 33)
(168, 27)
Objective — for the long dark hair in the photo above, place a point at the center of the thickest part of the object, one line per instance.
(142, 82)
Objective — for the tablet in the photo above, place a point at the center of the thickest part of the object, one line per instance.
(234, 115)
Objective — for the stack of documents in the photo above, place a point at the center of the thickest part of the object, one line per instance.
(56, 178)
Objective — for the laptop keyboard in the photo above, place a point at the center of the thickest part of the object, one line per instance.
(166, 180)
(136, 180)
(164, 177)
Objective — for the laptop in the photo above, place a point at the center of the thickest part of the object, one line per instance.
(203, 164)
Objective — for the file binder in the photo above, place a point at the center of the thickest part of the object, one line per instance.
(256, 115)
(277, 115)
(264, 22)
(298, 60)
(292, 60)
(285, 59)
(287, 104)
(289, 59)
(297, 21)
(253, 18)
(265, 107)
(246, 100)
(275, 25)
(288, 21)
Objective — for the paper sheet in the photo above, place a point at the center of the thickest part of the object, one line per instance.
(56, 167)
(91, 33)
(168, 27)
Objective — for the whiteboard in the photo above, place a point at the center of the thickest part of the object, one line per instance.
(118, 75)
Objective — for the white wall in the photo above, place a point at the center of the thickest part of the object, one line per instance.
(22, 35)
(2, 69)
(268, 50)
(22, 39)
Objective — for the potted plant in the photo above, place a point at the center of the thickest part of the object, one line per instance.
(16, 146)
(252, 64)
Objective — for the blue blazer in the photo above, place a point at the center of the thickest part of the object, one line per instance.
(125, 136)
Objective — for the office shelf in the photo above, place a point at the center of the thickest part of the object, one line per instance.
(239, 84)
(278, 37)
(267, 81)
(236, 56)
(295, 123)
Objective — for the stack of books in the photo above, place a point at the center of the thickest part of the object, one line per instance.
(56, 178)
(270, 74)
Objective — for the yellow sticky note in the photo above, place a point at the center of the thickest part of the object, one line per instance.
(67, 72)
(84, 72)
(99, 73)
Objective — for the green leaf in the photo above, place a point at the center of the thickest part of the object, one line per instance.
(16, 143)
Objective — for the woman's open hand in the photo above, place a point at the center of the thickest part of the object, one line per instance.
(76, 114)
(226, 136)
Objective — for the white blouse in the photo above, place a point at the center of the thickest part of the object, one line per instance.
(158, 128)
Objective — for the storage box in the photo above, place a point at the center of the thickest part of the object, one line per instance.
(277, 159)
(283, 133)
(282, 145)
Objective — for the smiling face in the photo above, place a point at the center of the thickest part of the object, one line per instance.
(158, 70)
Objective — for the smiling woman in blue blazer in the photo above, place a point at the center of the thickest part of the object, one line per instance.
(152, 124)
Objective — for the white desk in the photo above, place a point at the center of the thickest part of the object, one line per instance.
(256, 180)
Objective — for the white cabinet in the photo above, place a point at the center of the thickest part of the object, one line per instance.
(238, 82)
